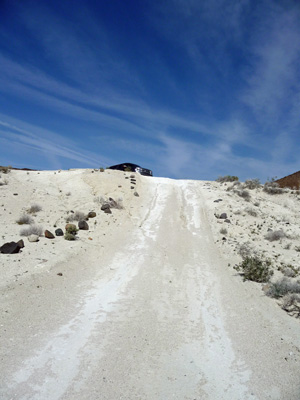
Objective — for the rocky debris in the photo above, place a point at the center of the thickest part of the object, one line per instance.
(49, 235)
(105, 206)
(227, 220)
(59, 274)
(132, 187)
(83, 225)
(11, 248)
(136, 194)
(218, 200)
(21, 243)
(91, 214)
(33, 238)
(113, 203)
(107, 211)
(132, 176)
(59, 232)
(223, 216)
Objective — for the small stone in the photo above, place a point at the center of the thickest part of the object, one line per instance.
(91, 214)
(227, 220)
(83, 225)
(33, 238)
(107, 211)
(59, 232)
(48, 234)
(21, 243)
(223, 216)
(136, 194)
(105, 206)
(60, 274)
(15, 194)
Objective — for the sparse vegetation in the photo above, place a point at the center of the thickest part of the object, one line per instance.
(255, 269)
(227, 178)
(69, 236)
(77, 216)
(272, 187)
(71, 229)
(244, 194)
(25, 219)
(251, 211)
(3, 182)
(34, 208)
(32, 230)
(283, 287)
(5, 170)
(252, 184)
(275, 235)
(291, 304)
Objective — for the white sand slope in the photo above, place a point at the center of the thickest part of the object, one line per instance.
(146, 306)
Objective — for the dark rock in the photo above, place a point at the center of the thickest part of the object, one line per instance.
(59, 274)
(49, 235)
(218, 200)
(223, 216)
(105, 206)
(227, 220)
(21, 243)
(136, 194)
(224, 238)
(15, 194)
(91, 214)
(10, 248)
(59, 232)
(113, 203)
(107, 211)
(132, 187)
(83, 225)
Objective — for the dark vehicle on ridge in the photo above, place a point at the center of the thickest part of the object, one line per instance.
(132, 168)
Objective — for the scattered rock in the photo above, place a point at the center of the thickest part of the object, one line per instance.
(33, 238)
(59, 274)
(83, 225)
(21, 243)
(132, 187)
(113, 203)
(107, 211)
(227, 220)
(49, 235)
(223, 216)
(59, 232)
(136, 194)
(16, 194)
(10, 248)
(105, 206)
(218, 200)
(91, 214)
(70, 227)
(132, 176)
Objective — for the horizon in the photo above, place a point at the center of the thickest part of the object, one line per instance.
(188, 90)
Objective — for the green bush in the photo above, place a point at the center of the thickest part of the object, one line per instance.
(283, 287)
(255, 269)
(252, 184)
(70, 228)
(69, 236)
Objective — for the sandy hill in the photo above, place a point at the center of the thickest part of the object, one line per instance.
(146, 303)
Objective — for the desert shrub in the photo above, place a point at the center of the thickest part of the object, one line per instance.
(283, 287)
(32, 230)
(227, 178)
(272, 187)
(289, 270)
(275, 235)
(25, 219)
(223, 231)
(255, 269)
(245, 250)
(101, 169)
(69, 236)
(244, 194)
(71, 229)
(251, 211)
(5, 170)
(3, 182)
(291, 304)
(252, 184)
(76, 216)
(34, 208)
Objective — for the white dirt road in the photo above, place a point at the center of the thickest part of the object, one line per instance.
(154, 315)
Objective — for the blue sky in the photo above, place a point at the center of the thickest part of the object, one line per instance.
(191, 89)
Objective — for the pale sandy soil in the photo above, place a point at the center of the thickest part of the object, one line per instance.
(147, 306)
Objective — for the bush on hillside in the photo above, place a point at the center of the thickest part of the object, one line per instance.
(227, 178)
(255, 269)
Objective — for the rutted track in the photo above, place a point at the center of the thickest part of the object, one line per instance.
(166, 322)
